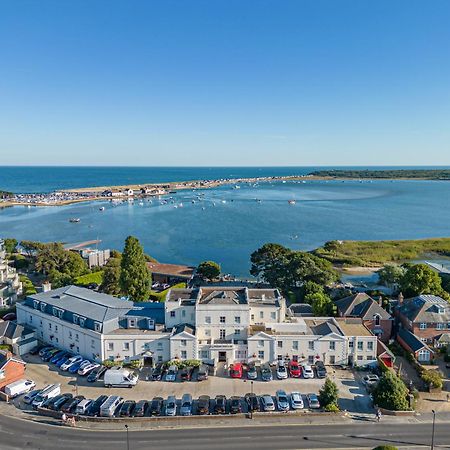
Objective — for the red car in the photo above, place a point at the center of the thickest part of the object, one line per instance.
(295, 370)
(236, 370)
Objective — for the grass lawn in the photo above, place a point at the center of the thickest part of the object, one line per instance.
(161, 296)
(94, 277)
(376, 253)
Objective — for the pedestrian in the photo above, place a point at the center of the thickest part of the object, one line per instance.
(448, 398)
(64, 418)
(378, 415)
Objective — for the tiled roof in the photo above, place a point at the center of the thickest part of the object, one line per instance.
(413, 342)
(426, 308)
(361, 305)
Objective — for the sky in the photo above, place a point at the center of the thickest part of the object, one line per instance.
(224, 82)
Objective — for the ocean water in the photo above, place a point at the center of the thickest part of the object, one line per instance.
(229, 224)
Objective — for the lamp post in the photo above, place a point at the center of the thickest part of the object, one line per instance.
(128, 441)
(432, 432)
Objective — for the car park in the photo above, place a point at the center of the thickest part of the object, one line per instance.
(156, 406)
(266, 373)
(220, 404)
(186, 405)
(297, 400)
(321, 370)
(282, 372)
(267, 403)
(69, 407)
(171, 406)
(171, 375)
(295, 370)
(158, 372)
(236, 370)
(235, 405)
(126, 410)
(282, 400)
(307, 371)
(83, 407)
(203, 405)
(371, 379)
(28, 398)
(94, 408)
(252, 372)
(56, 356)
(252, 401)
(19, 387)
(203, 372)
(70, 362)
(313, 401)
(96, 374)
(186, 374)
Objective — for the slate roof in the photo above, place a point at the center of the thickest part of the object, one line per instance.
(153, 310)
(361, 305)
(12, 330)
(322, 327)
(222, 296)
(184, 327)
(425, 308)
(413, 342)
(301, 310)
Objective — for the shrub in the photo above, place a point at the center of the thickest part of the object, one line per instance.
(391, 393)
(385, 447)
(432, 378)
(328, 395)
(27, 286)
(108, 363)
(6, 347)
(332, 407)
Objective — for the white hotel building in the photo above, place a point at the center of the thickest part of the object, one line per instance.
(210, 323)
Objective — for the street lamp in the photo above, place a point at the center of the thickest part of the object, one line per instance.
(128, 441)
(432, 432)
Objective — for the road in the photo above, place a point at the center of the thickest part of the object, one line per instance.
(18, 434)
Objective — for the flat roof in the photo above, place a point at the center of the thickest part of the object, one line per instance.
(177, 270)
(353, 327)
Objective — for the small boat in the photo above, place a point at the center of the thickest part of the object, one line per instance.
(236, 187)
(224, 201)
(203, 208)
(141, 203)
(291, 202)
(74, 220)
(102, 208)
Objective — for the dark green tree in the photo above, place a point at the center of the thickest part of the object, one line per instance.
(111, 277)
(328, 395)
(135, 278)
(208, 270)
(31, 247)
(269, 263)
(391, 393)
(420, 279)
(322, 305)
(10, 245)
(391, 274)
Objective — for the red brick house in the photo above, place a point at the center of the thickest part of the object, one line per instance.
(374, 317)
(414, 345)
(12, 368)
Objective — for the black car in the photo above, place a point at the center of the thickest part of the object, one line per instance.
(94, 409)
(186, 374)
(203, 372)
(127, 408)
(203, 405)
(156, 407)
(235, 405)
(252, 401)
(96, 374)
(321, 370)
(158, 372)
(141, 408)
(69, 407)
(60, 402)
(35, 350)
(220, 404)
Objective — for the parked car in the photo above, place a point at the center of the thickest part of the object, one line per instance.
(252, 401)
(203, 405)
(28, 398)
(267, 403)
(10, 316)
(83, 407)
(172, 373)
(282, 372)
(47, 393)
(49, 355)
(220, 404)
(36, 350)
(19, 387)
(313, 401)
(307, 371)
(295, 370)
(186, 405)
(297, 400)
(126, 410)
(203, 372)
(370, 380)
(236, 370)
(235, 405)
(282, 400)
(56, 356)
(171, 406)
(266, 373)
(62, 360)
(141, 408)
(96, 374)
(94, 408)
(73, 369)
(69, 407)
(71, 361)
(321, 370)
(156, 406)
(252, 373)
(120, 377)
(109, 407)
(157, 372)
(44, 350)
(186, 374)
(57, 403)
(88, 368)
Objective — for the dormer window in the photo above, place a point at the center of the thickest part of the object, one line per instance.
(43, 305)
(131, 323)
(60, 313)
(35, 304)
(55, 312)
(75, 319)
(97, 326)
(82, 320)
(377, 319)
(441, 310)
(150, 324)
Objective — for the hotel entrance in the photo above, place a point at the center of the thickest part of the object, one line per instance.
(222, 356)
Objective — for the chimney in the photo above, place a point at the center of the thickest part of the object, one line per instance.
(400, 299)
(380, 300)
(47, 286)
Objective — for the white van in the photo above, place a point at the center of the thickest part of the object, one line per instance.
(110, 405)
(19, 387)
(120, 377)
(48, 392)
(83, 406)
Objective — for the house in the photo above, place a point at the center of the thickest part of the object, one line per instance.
(374, 317)
(10, 284)
(426, 316)
(413, 344)
(442, 341)
(384, 354)
(20, 338)
(12, 368)
(170, 273)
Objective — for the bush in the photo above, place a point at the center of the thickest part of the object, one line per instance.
(396, 349)
(6, 347)
(182, 364)
(432, 378)
(332, 407)
(328, 396)
(385, 447)
(391, 393)
(27, 286)
(108, 363)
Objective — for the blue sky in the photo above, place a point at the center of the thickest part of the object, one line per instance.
(225, 82)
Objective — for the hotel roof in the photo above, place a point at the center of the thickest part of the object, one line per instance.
(352, 326)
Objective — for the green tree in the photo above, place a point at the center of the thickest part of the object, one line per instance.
(10, 245)
(111, 277)
(391, 274)
(328, 395)
(321, 303)
(269, 262)
(31, 247)
(420, 279)
(135, 278)
(208, 269)
(391, 393)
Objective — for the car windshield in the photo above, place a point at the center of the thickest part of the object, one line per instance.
(186, 404)
(282, 398)
(171, 405)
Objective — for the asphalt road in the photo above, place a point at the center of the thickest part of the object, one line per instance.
(21, 434)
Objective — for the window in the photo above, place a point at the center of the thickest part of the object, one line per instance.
(280, 344)
(295, 345)
(377, 320)
(280, 357)
(60, 313)
(423, 326)
(360, 345)
(56, 328)
(261, 314)
(183, 342)
(237, 319)
(82, 319)
(207, 319)
(310, 359)
(92, 343)
(370, 345)
(350, 344)
(222, 319)
(183, 313)
(240, 354)
(43, 305)
(75, 319)
(311, 345)
(332, 345)
(204, 354)
(150, 324)
(110, 346)
(252, 317)
(49, 326)
(360, 357)
(131, 323)
(273, 315)
(97, 326)
(35, 304)
(160, 358)
(222, 334)
(439, 326)
(70, 335)
(31, 319)
(261, 343)
(332, 359)
(183, 354)
(160, 344)
(208, 333)
(237, 332)
(126, 346)
(55, 312)
(172, 313)
(261, 354)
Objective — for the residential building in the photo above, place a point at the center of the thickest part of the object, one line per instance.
(374, 317)
(10, 284)
(414, 345)
(20, 338)
(426, 316)
(12, 368)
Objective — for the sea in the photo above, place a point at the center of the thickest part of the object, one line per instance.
(225, 224)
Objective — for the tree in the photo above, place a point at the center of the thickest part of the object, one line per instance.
(31, 247)
(420, 279)
(328, 395)
(111, 277)
(391, 274)
(135, 278)
(269, 262)
(10, 245)
(208, 269)
(391, 393)
(321, 303)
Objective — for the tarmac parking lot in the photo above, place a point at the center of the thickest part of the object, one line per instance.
(352, 393)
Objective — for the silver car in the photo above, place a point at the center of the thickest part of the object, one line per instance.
(267, 403)
(282, 400)
(186, 405)
(297, 400)
(171, 406)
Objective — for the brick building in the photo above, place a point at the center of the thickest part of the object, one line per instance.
(12, 368)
